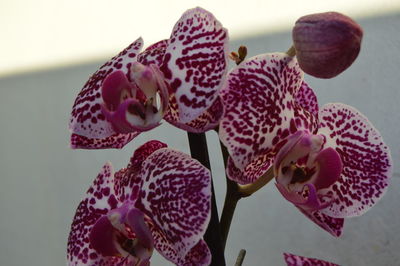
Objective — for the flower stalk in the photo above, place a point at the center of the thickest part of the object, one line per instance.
(291, 52)
(249, 189)
(234, 192)
(240, 258)
(199, 151)
(330, 162)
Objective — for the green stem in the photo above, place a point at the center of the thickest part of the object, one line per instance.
(291, 52)
(240, 258)
(247, 190)
(234, 193)
(199, 151)
(231, 200)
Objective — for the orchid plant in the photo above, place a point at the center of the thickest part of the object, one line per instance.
(176, 79)
(161, 200)
(329, 162)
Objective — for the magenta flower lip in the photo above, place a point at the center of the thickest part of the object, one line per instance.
(303, 168)
(134, 107)
(122, 232)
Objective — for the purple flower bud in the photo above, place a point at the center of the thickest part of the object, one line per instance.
(326, 43)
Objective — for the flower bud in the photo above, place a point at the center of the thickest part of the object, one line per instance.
(326, 43)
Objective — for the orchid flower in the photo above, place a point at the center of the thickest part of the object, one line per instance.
(265, 101)
(339, 172)
(295, 260)
(161, 200)
(331, 163)
(176, 79)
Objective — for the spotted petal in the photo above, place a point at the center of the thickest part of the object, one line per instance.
(251, 172)
(367, 163)
(307, 99)
(168, 189)
(116, 141)
(127, 181)
(87, 119)
(208, 120)
(99, 201)
(198, 255)
(295, 260)
(154, 54)
(176, 195)
(261, 109)
(334, 226)
(195, 62)
(309, 203)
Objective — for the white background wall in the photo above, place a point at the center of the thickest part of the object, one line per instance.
(42, 180)
(42, 33)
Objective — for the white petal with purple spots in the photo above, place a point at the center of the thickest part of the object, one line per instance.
(87, 119)
(176, 194)
(307, 99)
(154, 54)
(117, 141)
(208, 120)
(367, 163)
(99, 201)
(195, 62)
(260, 107)
(295, 260)
(334, 226)
(197, 256)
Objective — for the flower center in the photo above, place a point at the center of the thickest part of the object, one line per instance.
(295, 163)
(301, 175)
(136, 105)
(121, 233)
(303, 169)
(129, 245)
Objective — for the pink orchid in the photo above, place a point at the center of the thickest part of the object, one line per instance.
(330, 163)
(176, 79)
(161, 200)
(265, 101)
(295, 260)
(340, 171)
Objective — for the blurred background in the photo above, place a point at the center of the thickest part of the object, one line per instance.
(50, 48)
